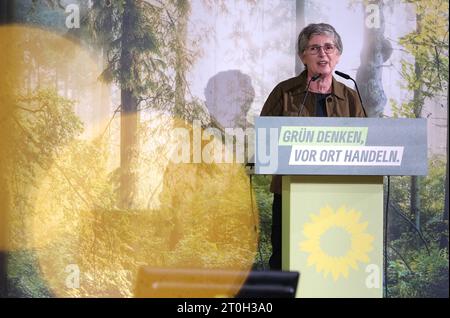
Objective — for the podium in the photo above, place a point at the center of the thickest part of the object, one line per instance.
(332, 194)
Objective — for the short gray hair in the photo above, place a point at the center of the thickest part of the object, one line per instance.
(318, 29)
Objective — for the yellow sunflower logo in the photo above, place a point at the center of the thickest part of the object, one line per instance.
(336, 241)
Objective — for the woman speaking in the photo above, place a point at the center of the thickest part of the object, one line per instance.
(313, 93)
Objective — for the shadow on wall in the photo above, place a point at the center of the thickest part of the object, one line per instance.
(229, 96)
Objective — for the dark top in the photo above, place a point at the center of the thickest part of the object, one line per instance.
(321, 105)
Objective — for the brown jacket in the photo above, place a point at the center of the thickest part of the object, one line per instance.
(286, 97)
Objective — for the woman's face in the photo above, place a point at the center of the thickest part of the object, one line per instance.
(316, 57)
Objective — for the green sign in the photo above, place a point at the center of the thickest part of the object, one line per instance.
(343, 136)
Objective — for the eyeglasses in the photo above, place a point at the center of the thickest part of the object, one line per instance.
(327, 49)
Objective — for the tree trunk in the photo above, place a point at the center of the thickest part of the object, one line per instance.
(418, 105)
(415, 199)
(105, 97)
(376, 50)
(129, 116)
(443, 242)
(128, 149)
(180, 68)
(299, 25)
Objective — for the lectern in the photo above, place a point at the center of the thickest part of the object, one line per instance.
(332, 192)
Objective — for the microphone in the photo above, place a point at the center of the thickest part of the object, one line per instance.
(347, 77)
(313, 79)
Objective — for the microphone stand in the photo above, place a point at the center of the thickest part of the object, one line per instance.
(346, 76)
(313, 79)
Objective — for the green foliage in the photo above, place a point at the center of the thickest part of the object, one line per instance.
(44, 13)
(142, 49)
(43, 125)
(72, 218)
(264, 198)
(209, 208)
(427, 276)
(432, 195)
(24, 278)
(45, 122)
(403, 110)
(125, 30)
(417, 272)
(427, 76)
(429, 46)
